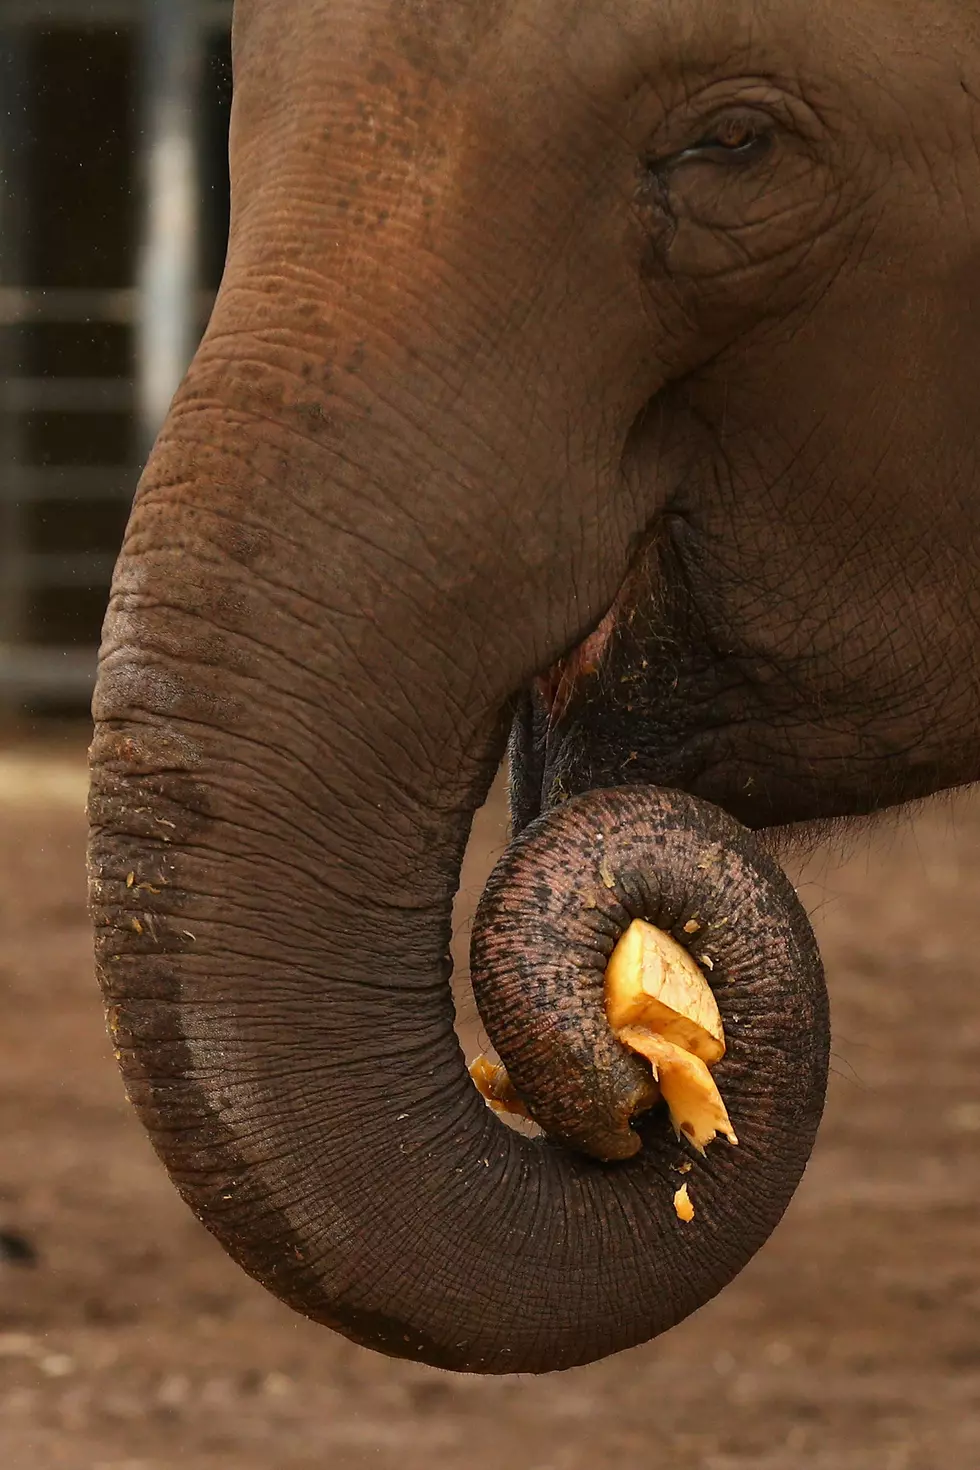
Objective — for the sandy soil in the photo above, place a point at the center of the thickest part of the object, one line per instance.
(852, 1342)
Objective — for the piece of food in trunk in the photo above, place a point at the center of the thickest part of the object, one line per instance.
(687, 1087)
(491, 1080)
(660, 1005)
(683, 1205)
(652, 981)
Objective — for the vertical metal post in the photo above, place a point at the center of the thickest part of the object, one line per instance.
(169, 266)
(13, 206)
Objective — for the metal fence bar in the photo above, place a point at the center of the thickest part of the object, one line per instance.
(45, 14)
(13, 589)
(32, 483)
(66, 395)
(167, 328)
(29, 306)
(69, 568)
(46, 675)
(25, 306)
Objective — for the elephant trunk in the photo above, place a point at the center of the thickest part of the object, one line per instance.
(285, 769)
(280, 801)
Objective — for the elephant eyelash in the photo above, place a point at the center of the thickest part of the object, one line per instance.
(726, 145)
(733, 140)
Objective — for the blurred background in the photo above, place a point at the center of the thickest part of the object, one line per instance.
(127, 1340)
(113, 222)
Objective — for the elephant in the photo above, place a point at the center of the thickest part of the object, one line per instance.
(589, 379)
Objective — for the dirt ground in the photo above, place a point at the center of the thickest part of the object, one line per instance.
(851, 1343)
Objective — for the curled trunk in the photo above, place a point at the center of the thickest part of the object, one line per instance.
(555, 908)
(378, 509)
(274, 857)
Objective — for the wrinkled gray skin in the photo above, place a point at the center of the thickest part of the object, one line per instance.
(534, 309)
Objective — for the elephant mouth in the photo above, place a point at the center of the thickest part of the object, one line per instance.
(573, 726)
(642, 702)
(547, 713)
(664, 692)
(556, 691)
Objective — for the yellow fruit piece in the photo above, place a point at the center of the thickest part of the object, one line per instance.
(491, 1080)
(683, 1205)
(651, 981)
(688, 1088)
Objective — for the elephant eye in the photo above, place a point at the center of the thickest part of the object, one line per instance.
(736, 138)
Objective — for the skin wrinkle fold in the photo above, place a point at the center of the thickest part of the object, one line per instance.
(293, 869)
(267, 750)
(348, 464)
(280, 657)
(292, 431)
(456, 390)
(345, 865)
(501, 326)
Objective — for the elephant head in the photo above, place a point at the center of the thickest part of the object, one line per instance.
(599, 368)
